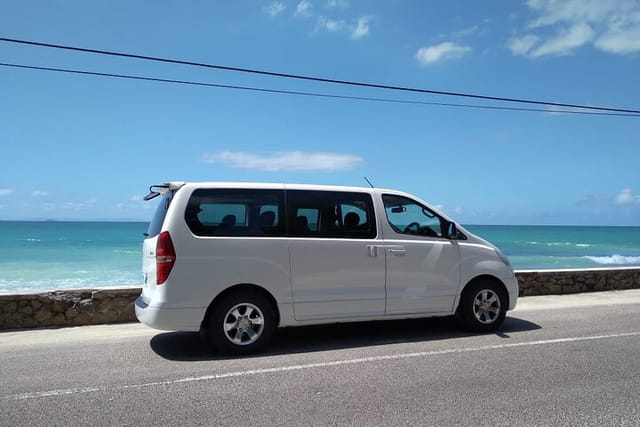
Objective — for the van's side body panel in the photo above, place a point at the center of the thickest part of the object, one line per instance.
(332, 276)
(423, 278)
(336, 278)
(315, 279)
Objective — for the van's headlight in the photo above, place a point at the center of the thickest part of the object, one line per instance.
(503, 258)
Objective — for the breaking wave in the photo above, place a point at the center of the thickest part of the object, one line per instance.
(614, 259)
(566, 244)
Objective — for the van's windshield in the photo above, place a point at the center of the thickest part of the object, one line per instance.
(155, 226)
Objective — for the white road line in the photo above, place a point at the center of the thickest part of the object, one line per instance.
(83, 390)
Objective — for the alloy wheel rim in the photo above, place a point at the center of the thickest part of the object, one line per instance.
(243, 324)
(486, 306)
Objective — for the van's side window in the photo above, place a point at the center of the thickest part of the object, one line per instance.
(407, 216)
(330, 214)
(236, 212)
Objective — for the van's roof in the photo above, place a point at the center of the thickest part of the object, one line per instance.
(267, 185)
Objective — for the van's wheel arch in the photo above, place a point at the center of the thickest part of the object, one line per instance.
(241, 321)
(483, 305)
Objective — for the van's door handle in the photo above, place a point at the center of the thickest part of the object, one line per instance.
(397, 251)
(372, 250)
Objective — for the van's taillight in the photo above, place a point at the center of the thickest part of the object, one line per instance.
(165, 257)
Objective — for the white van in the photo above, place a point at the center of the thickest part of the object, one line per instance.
(237, 260)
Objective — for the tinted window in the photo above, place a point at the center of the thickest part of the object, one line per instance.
(407, 216)
(155, 226)
(330, 214)
(236, 212)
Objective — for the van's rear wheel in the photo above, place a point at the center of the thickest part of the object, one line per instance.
(241, 323)
(483, 306)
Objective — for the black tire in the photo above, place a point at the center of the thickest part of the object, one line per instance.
(234, 325)
(483, 306)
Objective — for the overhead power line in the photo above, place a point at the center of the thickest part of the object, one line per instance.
(316, 79)
(314, 94)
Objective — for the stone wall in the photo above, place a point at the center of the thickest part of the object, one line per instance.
(68, 308)
(114, 305)
(555, 282)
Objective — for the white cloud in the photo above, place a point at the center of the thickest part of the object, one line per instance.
(476, 30)
(441, 52)
(5, 191)
(565, 42)
(304, 8)
(620, 41)
(136, 198)
(522, 45)
(361, 29)
(275, 8)
(285, 161)
(39, 193)
(331, 25)
(552, 12)
(626, 198)
(356, 29)
(561, 27)
(337, 4)
(466, 32)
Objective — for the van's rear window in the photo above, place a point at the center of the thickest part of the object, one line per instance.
(155, 226)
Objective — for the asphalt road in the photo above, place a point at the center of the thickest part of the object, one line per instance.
(562, 360)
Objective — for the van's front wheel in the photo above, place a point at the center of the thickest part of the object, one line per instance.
(483, 306)
(241, 323)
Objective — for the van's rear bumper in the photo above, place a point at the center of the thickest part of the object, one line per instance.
(169, 319)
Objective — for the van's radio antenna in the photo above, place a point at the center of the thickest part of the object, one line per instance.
(369, 182)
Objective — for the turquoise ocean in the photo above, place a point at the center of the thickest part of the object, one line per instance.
(39, 256)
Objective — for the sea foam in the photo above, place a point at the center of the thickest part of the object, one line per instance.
(614, 259)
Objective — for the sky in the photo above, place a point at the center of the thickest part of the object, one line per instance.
(80, 147)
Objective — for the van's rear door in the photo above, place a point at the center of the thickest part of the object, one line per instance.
(149, 269)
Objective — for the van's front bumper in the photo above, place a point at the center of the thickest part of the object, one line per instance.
(169, 319)
(512, 289)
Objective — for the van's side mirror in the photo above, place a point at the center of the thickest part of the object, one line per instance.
(453, 233)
